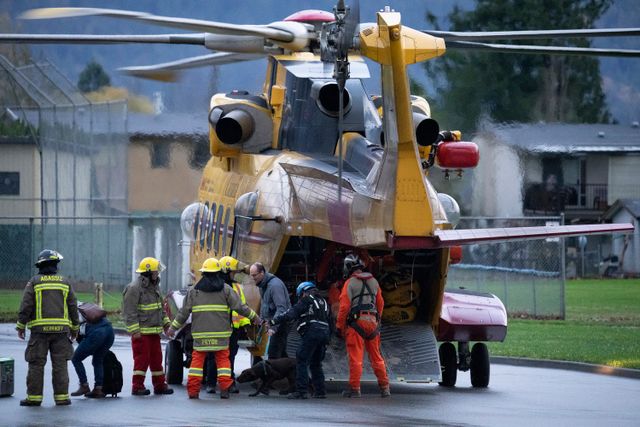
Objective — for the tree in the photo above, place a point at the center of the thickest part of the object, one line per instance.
(522, 88)
(93, 77)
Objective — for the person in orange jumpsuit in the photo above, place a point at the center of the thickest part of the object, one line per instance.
(361, 306)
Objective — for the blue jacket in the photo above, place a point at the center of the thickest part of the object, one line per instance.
(275, 297)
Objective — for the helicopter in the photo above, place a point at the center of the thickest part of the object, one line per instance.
(313, 168)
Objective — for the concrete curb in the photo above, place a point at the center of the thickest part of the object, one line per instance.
(568, 366)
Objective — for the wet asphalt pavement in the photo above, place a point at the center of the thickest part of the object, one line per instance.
(520, 396)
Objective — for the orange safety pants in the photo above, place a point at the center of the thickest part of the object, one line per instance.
(195, 370)
(147, 354)
(355, 349)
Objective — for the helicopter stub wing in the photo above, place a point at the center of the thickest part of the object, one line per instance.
(448, 238)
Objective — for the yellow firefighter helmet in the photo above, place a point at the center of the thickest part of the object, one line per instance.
(150, 264)
(210, 265)
(229, 263)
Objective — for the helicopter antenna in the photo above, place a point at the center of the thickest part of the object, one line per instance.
(336, 39)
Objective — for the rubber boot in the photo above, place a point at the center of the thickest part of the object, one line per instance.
(385, 391)
(224, 394)
(96, 393)
(82, 390)
(27, 402)
(352, 392)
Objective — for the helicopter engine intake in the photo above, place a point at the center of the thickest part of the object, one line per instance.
(234, 127)
(239, 122)
(427, 130)
(327, 98)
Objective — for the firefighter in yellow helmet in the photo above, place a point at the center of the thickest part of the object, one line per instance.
(229, 266)
(145, 319)
(49, 309)
(210, 302)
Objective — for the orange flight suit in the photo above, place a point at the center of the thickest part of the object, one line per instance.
(368, 323)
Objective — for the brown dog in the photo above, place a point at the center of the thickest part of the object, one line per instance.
(269, 371)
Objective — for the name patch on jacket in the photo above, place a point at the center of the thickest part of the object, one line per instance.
(51, 279)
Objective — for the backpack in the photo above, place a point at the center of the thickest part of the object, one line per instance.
(112, 383)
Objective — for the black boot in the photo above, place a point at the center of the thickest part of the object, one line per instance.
(27, 402)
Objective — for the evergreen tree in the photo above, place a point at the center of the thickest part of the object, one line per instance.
(516, 87)
(93, 77)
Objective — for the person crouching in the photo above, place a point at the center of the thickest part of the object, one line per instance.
(210, 302)
(312, 313)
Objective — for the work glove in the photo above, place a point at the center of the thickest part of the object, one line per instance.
(170, 332)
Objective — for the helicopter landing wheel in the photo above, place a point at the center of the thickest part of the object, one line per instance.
(480, 369)
(448, 364)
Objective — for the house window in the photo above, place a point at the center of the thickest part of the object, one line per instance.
(9, 183)
(160, 155)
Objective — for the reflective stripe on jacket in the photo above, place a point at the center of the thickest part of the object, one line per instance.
(48, 305)
(238, 320)
(142, 310)
(210, 324)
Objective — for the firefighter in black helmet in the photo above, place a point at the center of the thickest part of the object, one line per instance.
(49, 309)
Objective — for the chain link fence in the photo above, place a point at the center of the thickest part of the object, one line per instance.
(528, 276)
(95, 249)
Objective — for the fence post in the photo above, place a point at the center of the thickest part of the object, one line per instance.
(99, 294)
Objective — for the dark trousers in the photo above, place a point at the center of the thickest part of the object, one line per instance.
(277, 347)
(60, 348)
(211, 367)
(309, 356)
(97, 342)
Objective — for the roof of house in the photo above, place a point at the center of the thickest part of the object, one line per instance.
(168, 124)
(569, 138)
(631, 205)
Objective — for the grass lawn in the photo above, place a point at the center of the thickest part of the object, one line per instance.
(10, 304)
(602, 326)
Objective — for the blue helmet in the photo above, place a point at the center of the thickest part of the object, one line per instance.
(303, 287)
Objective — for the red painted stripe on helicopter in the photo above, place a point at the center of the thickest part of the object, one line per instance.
(338, 215)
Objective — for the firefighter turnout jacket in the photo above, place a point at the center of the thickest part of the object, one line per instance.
(210, 302)
(48, 305)
(142, 307)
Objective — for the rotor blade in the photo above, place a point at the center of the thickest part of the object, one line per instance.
(533, 34)
(558, 50)
(191, 39)
(169, 71)
(352, 21)
(183, 23)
